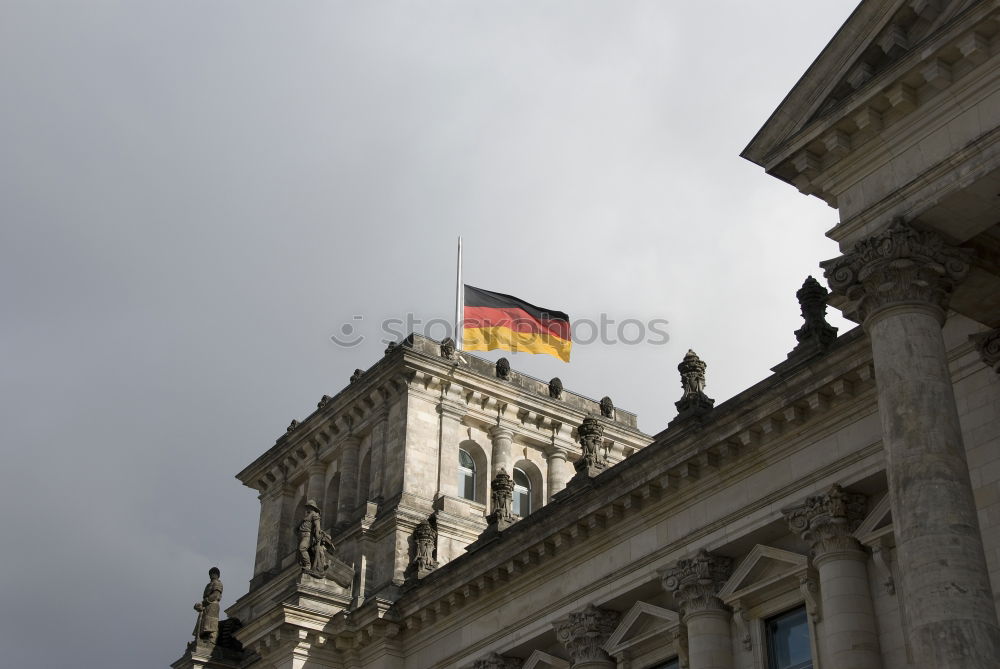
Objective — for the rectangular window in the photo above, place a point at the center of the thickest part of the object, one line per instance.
(787, 638)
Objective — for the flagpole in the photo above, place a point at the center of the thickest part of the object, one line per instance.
(458, 299)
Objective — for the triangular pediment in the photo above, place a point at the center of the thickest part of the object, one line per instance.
(542, 660)
(870, 53)
(761, 569)
(643, 621)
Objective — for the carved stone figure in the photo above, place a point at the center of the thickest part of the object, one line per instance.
(556, 388)
(425, 543)
(314, 543)
(391, 347)
(207, 627)
(591, 437)
(607, 407)
(448, 348)
(503, 369)
(323, 401)
(502, 496)
(292, 427)
(358, 373)
(694, 402)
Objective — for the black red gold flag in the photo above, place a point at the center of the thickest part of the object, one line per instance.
(498, 321)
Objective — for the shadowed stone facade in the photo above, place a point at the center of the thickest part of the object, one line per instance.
(853, 495)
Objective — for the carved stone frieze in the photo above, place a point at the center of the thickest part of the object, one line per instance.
(695, 582)
(900, 265)
(584, 633)
(988, 345)
(826, 521)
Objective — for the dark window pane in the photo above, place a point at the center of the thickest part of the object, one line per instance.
(521, 479)
(669, 664)
(788, 641)
(465, 460)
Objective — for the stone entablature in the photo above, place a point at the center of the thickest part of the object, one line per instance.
(907, 58)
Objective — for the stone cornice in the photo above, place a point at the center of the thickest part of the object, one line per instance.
(804, 157)
(670, 467)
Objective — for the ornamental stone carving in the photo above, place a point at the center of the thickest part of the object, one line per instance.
(815, 335)
(390, 347)
(207, 627)
(294, 425)
(503, 369)
(584, 633)
(497, 661)
(694, 402)
(556, 388)
(448, 348)
(502, 497)
(827, 521)
(607, 407)
(358, 373)
(591, 436)
(695, 582)
(315, 546)
(323, 401)
(900, 265)
(425, 545)
(988, 345)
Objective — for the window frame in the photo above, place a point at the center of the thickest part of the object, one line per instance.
(519, 489)
(462, 470)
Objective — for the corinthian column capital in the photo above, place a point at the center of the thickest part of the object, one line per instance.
(897, 266)
(826, 521)
(696, 581)
(584, 633)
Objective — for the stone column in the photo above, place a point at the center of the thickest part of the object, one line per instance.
(556, 474)
(849, 630)
(501, 459)
(316, 485)
(695, 582)
(583, 635)
(897, 284)
(348, 478)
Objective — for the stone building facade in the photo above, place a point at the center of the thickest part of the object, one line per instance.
(842, 513)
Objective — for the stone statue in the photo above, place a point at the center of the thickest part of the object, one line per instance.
(591, 438)
(323, 401)
(424, 544)
(357, 375)
(315, 545)
(448, 348)
(502, 494)
(555, 388)
(607, 407)
(292, 427)
(815, 335)
(503, 369)
(207, 627)
(694, 403)
(391, 347)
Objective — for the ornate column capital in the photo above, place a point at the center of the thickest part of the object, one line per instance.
(696, 581)
(584, 633)
(826, 521)
(897, 266)
(497, 661)
(988, 345)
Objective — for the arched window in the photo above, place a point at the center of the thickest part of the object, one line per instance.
(522, 493)
(466, 475)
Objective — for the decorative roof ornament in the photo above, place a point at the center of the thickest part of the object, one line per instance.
(358, 373)
(502, 496)
(594, 459)
(503, 369)
(448, 348)
(815, 336)
(607, 407)
(294, 425)
(694, 403)
(390, 348)
(556, 388)
(323, 401)
(425, 547)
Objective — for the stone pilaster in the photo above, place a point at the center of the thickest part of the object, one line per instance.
(501, 438)
(583, 635)
(988, 345)
(317, 482)
(898, 284)
(348, 478)
(376, 485)
(449, 437)
(826, 522)
(695, 583)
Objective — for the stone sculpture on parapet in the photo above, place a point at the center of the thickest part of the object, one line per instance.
(502, 495)
(607, 408)
(815, 336)
(694, 403)
(207, 627)
(556, 388)
(503, 369)
(594, 460)
(424, 545)
(316, 552)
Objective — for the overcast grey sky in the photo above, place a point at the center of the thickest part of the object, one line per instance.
(196, 195)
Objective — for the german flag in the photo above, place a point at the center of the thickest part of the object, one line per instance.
(497, 321)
